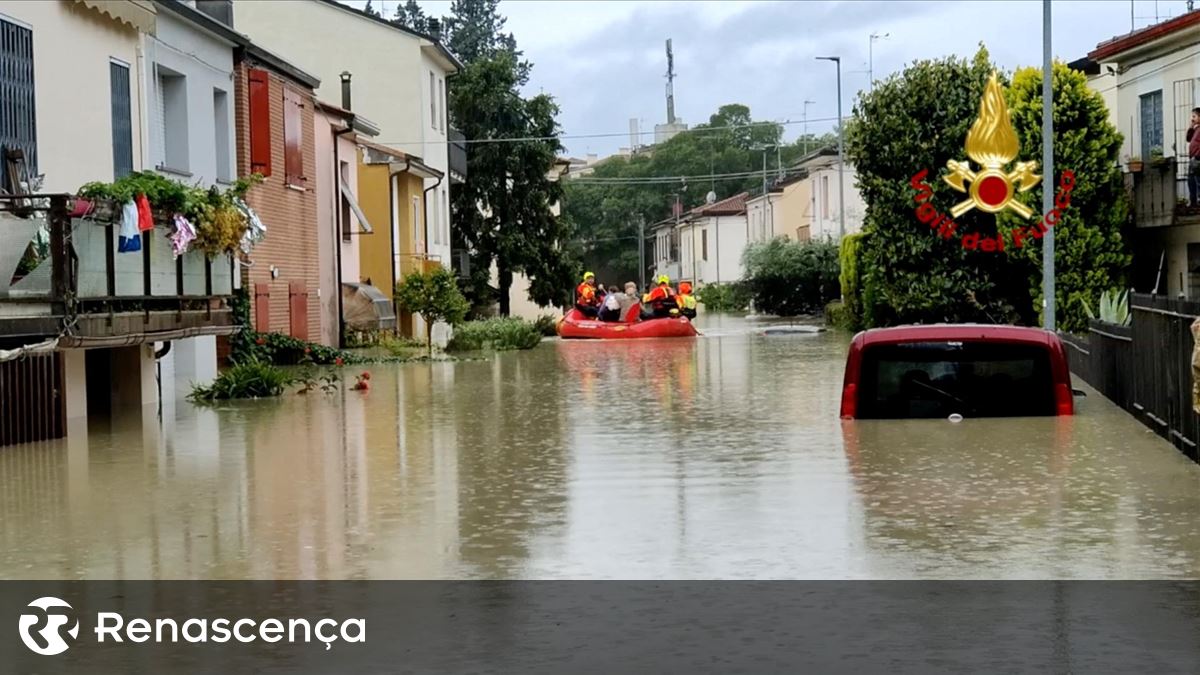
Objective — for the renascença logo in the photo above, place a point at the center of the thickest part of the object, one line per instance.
(42, 631)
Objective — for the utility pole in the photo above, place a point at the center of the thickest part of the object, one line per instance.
(670, 84)
(837, 60)
(641, 252)
(1047, 169)
(805, 133)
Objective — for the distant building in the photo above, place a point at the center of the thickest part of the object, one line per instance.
(811, 206)
(665, 132)
(711, 240)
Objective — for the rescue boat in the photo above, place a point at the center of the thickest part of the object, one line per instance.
(576, 326)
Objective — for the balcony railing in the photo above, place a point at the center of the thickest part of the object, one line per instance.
(1159, 195)
(458, 156)
(85, 289)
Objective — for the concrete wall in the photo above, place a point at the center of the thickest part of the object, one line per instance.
(72, 48)
(824, 184)
(288, 211)
(207, 64)
(794, 211)
(727, 239)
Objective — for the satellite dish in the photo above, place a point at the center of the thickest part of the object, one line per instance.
(710, 198)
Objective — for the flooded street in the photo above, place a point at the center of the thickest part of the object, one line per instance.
(720, 457)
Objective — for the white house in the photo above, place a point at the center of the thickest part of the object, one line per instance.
(762, 215)
(711, 240)
(189, 90)
(822, 176)
(1150, 79)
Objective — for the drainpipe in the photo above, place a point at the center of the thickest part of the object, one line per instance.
(392, 233)
(337, 211)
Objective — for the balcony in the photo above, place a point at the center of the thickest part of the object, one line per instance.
(1159, 195)
(79, 289)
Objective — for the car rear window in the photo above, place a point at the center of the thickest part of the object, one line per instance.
(973, 379)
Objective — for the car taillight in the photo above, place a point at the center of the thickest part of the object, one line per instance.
(1063, 399)
(849, 401)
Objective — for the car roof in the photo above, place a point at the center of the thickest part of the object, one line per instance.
(954, 332)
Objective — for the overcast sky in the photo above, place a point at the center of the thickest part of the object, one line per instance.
(605, 62)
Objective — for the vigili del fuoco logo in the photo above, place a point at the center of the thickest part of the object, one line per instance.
(992, 144)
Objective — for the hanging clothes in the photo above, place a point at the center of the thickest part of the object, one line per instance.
(129, 237)
(183, 235)
(145, 218)
(255, 230)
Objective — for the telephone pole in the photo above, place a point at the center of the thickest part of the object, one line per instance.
(1047, 169)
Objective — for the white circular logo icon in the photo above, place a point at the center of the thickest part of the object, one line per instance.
(42, 629)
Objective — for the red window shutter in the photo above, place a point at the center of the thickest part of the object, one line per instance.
(298, 309)
(260, 122)
(293, 156)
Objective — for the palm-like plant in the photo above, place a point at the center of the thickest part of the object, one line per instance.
(1114, 308)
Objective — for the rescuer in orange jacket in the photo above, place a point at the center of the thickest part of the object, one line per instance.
(586, 299)
(661, 300)
(685, 300)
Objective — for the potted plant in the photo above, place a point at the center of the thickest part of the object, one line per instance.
(1156, 157)
(1135, 164)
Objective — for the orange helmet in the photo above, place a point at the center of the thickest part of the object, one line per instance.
(685, 287)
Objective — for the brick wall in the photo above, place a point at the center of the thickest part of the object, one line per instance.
(289, 213)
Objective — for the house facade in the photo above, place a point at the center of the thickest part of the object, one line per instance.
(276, 138)
(1151, 81)
(821, 174)
(399, 81)
(711, 240)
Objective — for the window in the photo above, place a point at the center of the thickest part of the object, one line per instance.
(221, 133)
(1152, 123)
(442, 103)
(18, 123)
(344, 169)
(122, 125)
(293, 132)
(704, 244)
(172, 105)
(260, 122)
(824, 196)
(433, 116)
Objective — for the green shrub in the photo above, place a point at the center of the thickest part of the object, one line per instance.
(501, 334)
(850, 280)
(285, 350)
(547, 325)
(731, 297)
(433, 294)
(251, 379)
(787, 278)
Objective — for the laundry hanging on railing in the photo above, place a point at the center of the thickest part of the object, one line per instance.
(183, 235)
(255, 230)
(145, 217)
(130, 236)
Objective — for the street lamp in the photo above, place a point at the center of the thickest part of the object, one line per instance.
(871, 58)
(837, 60)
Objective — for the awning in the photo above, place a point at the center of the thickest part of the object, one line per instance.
(139, 14)
(358, 213)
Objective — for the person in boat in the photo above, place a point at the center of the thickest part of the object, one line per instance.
(587, 301)
(661, 300)
(610, 308)
(685, 300)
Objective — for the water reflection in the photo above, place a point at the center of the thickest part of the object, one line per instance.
(719, 457)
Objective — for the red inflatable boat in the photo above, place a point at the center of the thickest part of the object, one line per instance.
(577, 326)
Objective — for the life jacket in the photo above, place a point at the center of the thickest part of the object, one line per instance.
(661, 293)
(585, 294)
(685, 301)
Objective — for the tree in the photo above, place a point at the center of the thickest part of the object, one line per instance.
(1090, 255)
(370, 10)
(919, 120)
(503, 214)
(411, 16)
(435, 296)
(788, 278)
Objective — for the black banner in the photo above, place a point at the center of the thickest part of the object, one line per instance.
(600, 627)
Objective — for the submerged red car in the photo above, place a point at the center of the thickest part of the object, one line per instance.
(974, 370)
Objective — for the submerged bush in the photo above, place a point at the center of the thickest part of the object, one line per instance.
(501, 334)
(250, 379)
(547, 325)
(787, 278)
(731, 297)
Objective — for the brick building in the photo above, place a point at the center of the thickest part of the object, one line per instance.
(274, 130)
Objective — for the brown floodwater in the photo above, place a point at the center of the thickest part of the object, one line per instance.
(719, 457)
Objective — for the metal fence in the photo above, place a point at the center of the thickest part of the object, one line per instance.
(1146, 368)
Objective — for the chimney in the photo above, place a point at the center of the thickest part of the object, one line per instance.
(346, 90)
(434, 27)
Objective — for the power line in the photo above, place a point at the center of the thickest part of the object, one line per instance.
(615, 134)
(665, 179)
